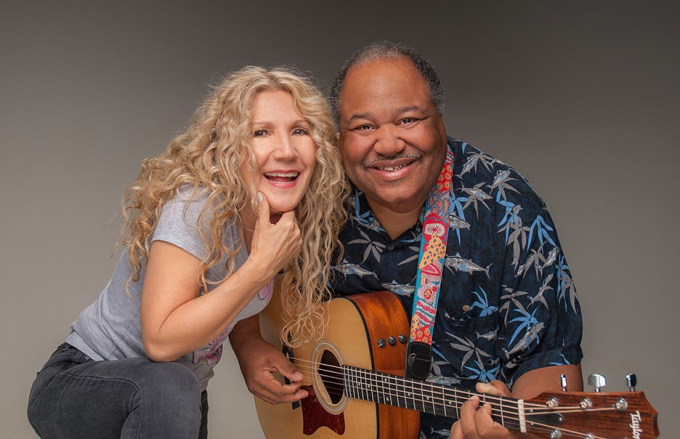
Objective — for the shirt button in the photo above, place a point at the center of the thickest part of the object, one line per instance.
(390, 247)
(466, 308)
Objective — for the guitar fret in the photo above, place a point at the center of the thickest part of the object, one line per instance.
(384, 389)
(506, 412)
(400, 391)
(412, 395)
(428, 396)
(399, 394)
(362, 385)
(388, 386)
(452, 399)
(350, 384)
(364, 389)
(434, 399)
(418, 395)
(370, 391)
(444, 400)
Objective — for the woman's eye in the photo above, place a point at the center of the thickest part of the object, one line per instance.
(300, 132)
(259, 133)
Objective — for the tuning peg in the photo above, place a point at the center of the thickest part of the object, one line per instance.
(631, 381)
(597, 381)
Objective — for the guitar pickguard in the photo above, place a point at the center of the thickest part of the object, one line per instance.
(314, 416)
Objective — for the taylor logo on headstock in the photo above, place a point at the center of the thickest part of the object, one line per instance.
(635, 419)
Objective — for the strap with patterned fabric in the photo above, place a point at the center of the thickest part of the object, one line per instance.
(428, 279)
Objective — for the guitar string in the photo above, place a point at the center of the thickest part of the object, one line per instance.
(338, 380)
(536, 425)
(433, 387)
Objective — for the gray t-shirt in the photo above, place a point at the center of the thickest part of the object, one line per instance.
(110, 328)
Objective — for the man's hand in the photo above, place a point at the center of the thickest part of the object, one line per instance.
(260, 360)
(475, 422)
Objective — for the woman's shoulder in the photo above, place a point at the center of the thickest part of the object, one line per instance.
(187, 205)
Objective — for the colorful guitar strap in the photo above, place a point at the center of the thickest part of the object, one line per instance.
(429, 275)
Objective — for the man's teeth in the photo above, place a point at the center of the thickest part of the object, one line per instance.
(391, 168)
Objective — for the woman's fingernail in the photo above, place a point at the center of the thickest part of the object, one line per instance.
(260, 197)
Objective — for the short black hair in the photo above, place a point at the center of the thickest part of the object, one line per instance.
(386, 50)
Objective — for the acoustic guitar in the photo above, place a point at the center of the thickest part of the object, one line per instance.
(354, 376)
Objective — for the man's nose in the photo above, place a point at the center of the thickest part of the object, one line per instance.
(388, 141)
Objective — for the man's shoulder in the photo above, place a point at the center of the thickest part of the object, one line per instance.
(477, 173)
(475, 158)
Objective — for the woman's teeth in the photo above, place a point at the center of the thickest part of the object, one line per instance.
(281, 176)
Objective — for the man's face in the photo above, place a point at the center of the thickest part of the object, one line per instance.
(392, 138)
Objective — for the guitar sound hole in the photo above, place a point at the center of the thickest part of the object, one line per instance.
(330, 373)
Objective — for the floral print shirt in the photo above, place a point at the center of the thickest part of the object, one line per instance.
(507, 303)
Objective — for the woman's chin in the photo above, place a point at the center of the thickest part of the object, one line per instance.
(280, 208)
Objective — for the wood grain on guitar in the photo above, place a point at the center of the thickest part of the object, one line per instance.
(357, 389)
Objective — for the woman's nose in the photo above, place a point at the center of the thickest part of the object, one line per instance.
(285, 148)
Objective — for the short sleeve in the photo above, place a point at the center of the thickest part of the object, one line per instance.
(178, 223)
(540, 321)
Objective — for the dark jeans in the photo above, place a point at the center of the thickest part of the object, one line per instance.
(75, 397)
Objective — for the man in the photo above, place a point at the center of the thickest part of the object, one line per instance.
(507, 312)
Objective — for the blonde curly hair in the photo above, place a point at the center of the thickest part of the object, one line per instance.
(206, 157)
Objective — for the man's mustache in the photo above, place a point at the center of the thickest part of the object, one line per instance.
(387, 160)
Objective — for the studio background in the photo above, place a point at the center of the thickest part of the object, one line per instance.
(580, 96)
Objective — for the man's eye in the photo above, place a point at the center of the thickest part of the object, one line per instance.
(260, 133)
(363, 128)
(407, 120)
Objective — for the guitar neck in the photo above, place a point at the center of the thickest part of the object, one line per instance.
(424, 396)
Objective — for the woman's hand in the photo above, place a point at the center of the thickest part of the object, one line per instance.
(274, 245)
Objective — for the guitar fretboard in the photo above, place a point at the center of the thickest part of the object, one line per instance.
(423, 396)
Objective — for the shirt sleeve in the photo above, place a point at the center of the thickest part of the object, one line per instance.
(178, 223)
(540, 320)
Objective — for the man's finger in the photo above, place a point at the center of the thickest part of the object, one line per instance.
(456, 431)
(496, 388)
(483, 420)
(467, 417)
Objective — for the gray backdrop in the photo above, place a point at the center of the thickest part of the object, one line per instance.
(580, 96)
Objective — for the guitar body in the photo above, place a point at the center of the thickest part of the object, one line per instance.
(349, 338)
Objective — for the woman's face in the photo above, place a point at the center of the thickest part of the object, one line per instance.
(284, 150)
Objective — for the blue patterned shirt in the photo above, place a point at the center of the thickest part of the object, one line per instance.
(507, 303)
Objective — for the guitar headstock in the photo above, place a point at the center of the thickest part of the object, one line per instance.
(593, 415)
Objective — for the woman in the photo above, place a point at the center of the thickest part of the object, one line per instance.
(252, 188)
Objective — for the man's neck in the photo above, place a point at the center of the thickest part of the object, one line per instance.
(396, 223)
